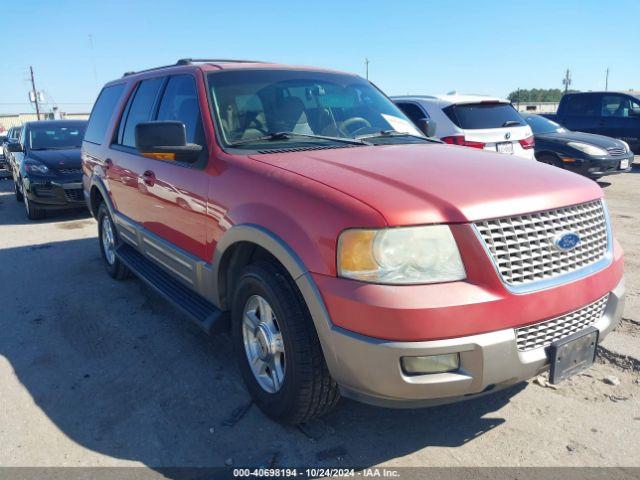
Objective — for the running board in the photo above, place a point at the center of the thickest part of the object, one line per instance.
(202, 312)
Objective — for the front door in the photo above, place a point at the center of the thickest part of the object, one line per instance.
(175, 193)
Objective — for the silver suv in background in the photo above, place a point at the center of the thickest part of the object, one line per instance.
(475, 121)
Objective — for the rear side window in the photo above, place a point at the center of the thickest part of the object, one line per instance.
(583, 105)
(101, 113)
(414, 112)
(180, 103)
(140, 109)
(474, 116)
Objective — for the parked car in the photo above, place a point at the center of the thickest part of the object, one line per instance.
(346, 253)
(473, 121)
(3, 139)
(46, 166)
(12, 136)
(613, 114)
(585, 153)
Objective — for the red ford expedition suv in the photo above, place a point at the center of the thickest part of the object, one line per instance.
(346, 252)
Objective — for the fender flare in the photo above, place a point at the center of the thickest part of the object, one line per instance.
(263, 238)
(297, 270)
(97, 182)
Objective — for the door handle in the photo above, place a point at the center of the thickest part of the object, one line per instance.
(149, 178)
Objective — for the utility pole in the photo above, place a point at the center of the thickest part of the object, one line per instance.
(606, 81)
(35, 93)
(567, 80)
(366, 68)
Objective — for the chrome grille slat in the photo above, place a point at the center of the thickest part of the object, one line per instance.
(545, 333)
(522, 246)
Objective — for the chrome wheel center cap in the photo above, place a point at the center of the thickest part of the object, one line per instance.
(265, 342)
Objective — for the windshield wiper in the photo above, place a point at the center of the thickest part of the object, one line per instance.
(511, 123)
(288, 135)
(395, 133)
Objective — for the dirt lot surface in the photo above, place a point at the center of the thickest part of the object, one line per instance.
(95, 372)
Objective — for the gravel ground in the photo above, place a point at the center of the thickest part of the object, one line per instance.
(95, 372)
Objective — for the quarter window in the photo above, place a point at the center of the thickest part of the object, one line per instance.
(140, 110)
(414, 112)
(101, 113)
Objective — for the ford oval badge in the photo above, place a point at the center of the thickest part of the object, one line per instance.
(566, 241)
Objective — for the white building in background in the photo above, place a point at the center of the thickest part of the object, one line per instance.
(14, 119)
(536, 107)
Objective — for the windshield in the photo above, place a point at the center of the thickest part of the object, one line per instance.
(252, 104)
(541, 125)
(56, 137)
(475, 116)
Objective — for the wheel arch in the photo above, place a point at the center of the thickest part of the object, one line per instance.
(239, 246)
(98, 194)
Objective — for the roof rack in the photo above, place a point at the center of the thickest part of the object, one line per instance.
(191, 61)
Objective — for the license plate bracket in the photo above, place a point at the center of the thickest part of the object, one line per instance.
(504, 147)
(572, 354)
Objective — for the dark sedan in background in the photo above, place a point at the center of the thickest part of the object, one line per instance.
(585, 153)
(48, 173)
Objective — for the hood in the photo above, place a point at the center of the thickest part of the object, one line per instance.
(438, 183)
(57, 158)
(597, 140)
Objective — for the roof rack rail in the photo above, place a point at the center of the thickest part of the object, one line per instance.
(190, 61)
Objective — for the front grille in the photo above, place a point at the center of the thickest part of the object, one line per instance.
(74, 194)
(544, 333)
(523, 248)
(69, 171)
(616, 151)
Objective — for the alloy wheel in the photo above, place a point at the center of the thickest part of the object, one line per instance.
(263, 344)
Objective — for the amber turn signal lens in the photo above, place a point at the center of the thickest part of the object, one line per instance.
(160, 156)
(356, 251)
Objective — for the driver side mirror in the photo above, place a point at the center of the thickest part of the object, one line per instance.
(166, 140)
(427, 126)
(14, 147)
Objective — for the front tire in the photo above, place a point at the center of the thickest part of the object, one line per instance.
(108, 240)
(33, 212)
(277, 347)
(550, 160)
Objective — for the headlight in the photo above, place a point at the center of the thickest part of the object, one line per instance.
(402, 256)
(37, 168)
(588, 148)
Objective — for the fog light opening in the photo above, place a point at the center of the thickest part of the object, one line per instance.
(448, 362)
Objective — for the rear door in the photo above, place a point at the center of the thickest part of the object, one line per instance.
(581, 112)
(174, 192)
(621, 118)
(125, 174)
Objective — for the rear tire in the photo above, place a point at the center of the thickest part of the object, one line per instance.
(108, 241)
(302, 388)
(16, 189)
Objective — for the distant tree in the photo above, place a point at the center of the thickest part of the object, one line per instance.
(537, 95)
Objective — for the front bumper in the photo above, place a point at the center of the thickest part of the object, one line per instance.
(598, 167)
(55, 194)
(369, 370)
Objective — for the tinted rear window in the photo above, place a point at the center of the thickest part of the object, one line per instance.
(101, 113)
(473, 116)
